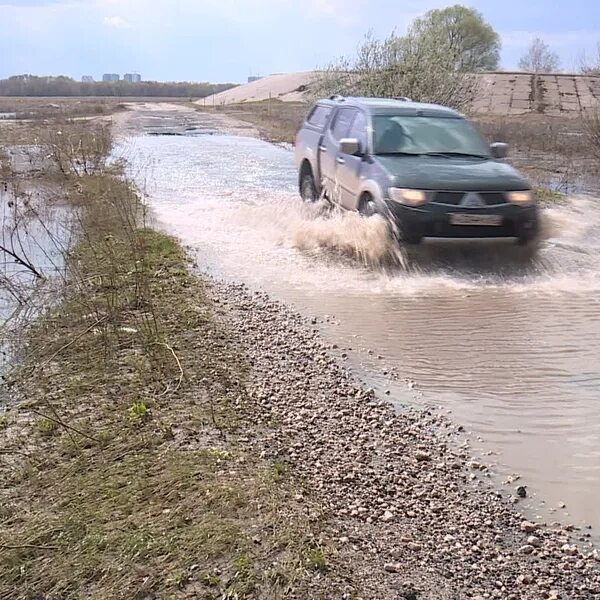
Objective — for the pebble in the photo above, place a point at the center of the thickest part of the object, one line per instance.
(422, 456)
(522, 491)
(528, 527)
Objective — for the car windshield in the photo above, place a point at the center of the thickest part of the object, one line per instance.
(399, 134)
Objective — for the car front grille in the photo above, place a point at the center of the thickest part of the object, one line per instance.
(455, 198)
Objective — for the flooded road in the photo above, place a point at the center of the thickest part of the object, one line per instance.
(512, 350)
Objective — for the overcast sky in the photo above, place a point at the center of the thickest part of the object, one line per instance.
(227, 40)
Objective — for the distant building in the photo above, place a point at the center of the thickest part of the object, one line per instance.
(87, 79)
(132, 77)
(111, 77)
(254, 78)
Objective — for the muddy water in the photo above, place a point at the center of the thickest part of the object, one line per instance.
(512, 350)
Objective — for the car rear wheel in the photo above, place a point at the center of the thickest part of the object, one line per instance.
(308, 189)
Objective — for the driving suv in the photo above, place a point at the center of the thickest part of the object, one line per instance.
(423, 166)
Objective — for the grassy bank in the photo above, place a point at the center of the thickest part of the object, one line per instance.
(125, 467)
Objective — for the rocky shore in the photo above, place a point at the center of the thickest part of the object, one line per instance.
(406, 508)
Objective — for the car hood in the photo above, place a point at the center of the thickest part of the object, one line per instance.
(452, 174)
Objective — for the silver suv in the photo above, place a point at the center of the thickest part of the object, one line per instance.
(423, 166)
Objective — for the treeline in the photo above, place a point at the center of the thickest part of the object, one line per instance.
(31, 85)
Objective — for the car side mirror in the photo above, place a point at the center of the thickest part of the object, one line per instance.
(350, 146)
(499, 149)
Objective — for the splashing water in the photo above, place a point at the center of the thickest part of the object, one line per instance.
(320, 227)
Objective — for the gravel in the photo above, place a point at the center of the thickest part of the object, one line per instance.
(405, 506)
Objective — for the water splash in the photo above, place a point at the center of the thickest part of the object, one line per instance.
(319, 227)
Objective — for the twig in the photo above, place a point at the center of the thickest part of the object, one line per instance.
(63, 424)
(181, 372)
(14, 452)
(28, 546)
(22, 262)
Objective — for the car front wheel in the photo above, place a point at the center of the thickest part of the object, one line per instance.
(308, 190)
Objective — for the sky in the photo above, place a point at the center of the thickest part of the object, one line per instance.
(229, 40)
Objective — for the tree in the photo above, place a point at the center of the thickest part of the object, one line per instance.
(433, 62)
(463, 32)
(539, 58)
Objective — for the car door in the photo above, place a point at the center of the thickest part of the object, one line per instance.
(349, 167)
(330, 151)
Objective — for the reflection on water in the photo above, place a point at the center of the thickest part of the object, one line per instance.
(513, 348)
(31, 233)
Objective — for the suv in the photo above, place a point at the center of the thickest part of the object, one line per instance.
(423, 166)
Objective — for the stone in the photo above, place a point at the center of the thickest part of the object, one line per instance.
(528, 527)
(534, 541)
(422, 456)
(393, 567)
(527, 549)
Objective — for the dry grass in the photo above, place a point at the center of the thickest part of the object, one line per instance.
(590, 121)
(127, 470)
(58, 108)
(276, 121)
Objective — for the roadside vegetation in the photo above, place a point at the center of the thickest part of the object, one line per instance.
(433, 62)
(125, 464)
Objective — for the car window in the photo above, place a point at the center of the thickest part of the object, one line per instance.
(341, 123)
(319, 115)
(358, 130)
(420, 135)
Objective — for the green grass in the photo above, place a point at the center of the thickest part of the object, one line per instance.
(316, 560)
(547, 196)
(139, 412)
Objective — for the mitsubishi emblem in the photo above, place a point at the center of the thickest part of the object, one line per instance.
(472, 200)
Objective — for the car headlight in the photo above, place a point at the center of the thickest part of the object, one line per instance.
(523, 198)
(407, 196)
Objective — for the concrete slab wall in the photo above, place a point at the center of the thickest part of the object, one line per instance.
(498, 93)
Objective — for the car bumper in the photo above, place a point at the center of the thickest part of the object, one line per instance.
(435, 221)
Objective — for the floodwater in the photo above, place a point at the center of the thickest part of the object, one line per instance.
(511, 349)
(39, 235)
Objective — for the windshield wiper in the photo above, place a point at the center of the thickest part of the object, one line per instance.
(454, 154)
(399, 153)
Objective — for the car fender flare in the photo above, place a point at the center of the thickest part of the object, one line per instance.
(370, 186)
